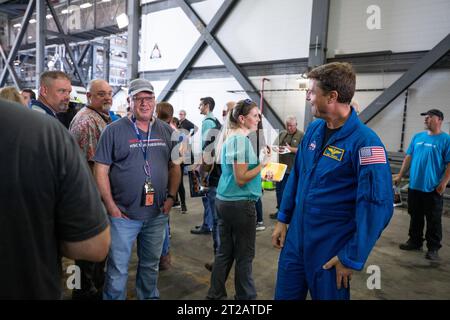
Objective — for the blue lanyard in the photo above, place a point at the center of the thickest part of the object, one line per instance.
(141, 145)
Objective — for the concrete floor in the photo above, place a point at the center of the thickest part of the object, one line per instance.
(404, 275)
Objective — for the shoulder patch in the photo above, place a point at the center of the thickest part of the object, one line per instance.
(372, 155)
(334, 153)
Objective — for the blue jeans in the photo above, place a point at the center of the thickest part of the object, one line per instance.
(210, 215)
(150, 236)
(280, 189)
(166, 244)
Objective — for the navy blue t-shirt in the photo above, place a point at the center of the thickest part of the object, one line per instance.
(119, 148)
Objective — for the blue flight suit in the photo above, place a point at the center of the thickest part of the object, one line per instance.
(334, 205)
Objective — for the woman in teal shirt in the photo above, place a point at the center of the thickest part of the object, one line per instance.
(238, 190)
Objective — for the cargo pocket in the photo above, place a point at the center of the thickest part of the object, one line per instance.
(374, 189)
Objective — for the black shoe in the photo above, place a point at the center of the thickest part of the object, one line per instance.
(209, 266)
(176, 205)
(200, 231)
(273, 215)
(183, 208)
(408, 246)
(432, 255)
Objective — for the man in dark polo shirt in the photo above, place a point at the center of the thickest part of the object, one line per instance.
(54, 93)
(49, 205)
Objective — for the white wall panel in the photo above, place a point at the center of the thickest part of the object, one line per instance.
(430, 91)
(175, 35)
(266, 30)
(254, 31)
(207, 9)
(406, 25)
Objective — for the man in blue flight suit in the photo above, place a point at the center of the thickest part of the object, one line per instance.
(338, 198)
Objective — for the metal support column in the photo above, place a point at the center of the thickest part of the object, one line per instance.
(406, 80)
(405, 108)
(94, 61)
(134, 19)
(318, 43)
(106, 60)
(69, 51)
(16, 46)
(40, 38)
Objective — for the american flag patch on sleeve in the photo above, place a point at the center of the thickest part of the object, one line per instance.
(371, 155)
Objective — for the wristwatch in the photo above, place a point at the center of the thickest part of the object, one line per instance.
(171, 197)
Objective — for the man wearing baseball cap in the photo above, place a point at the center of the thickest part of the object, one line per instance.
(428, 156)
(138, 182)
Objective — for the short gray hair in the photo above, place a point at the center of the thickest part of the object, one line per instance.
(182, 110)
(290, 119)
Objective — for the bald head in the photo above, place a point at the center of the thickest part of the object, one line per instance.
(99, 94)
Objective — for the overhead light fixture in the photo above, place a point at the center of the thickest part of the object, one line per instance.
(32, 20)
(122, 20)
(65, 11)
(49, 16)
(30, 37)
(17, 25)
(156, 54)
(85, 5)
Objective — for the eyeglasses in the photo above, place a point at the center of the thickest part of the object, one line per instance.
(143, 99)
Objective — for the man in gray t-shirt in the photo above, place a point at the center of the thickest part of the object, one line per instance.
(138, 183)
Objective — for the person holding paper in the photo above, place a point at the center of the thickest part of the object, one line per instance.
(238, 190)
(286, 145)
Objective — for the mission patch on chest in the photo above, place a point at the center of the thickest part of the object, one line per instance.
(334, 153)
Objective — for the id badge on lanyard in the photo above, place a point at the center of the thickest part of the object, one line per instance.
(148, 192)
(148, 197)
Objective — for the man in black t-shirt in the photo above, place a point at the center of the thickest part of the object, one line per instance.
(49, 205)
(186, 124)
(189, 130)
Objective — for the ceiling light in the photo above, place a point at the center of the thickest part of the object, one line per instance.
(49, 16)
(65, 11)
(85, 5)
(122, 20)
(32, 20)
(17, 25)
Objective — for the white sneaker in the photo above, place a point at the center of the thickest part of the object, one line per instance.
(260, 226)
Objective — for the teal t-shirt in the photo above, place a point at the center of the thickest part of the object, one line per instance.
(238, 149)
(430, 155)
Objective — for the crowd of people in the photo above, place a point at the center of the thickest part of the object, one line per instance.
(100, 183)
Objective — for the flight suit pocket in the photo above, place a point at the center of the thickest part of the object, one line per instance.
(374, 189)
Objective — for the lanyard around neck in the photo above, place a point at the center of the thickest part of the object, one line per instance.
(141, 144)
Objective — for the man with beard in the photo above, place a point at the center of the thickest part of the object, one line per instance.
(54, 93)
(428, 156)
(86, 127)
